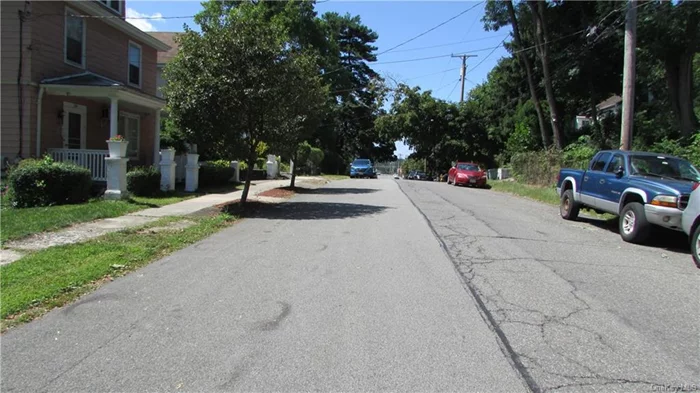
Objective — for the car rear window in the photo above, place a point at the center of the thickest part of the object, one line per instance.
(467, 167)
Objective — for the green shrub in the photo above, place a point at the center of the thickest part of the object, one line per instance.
(261, 163)
(143, 181)
(242, 167)
(45, 182)
(215, 173)
(676, 147)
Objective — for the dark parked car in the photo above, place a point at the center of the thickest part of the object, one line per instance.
(423, 176)
(411, 175)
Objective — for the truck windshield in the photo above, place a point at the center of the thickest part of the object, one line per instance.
(660, 166)
(360, 162)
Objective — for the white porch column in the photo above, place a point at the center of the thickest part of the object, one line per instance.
(113, 116)
(156, 140)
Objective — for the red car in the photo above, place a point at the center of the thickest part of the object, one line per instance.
(466, 174)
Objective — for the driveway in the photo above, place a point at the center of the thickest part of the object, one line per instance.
(577, 308)
(342, 289)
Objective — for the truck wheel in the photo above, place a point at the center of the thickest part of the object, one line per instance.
(569, 208)
(634, 227)
(695, 245)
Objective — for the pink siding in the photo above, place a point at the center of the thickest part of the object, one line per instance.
(106, 49)
(9, 100)
(106, 54)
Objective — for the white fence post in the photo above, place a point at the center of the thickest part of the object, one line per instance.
(167, 169)
(272, 166)
(236, 171)
(192, 175)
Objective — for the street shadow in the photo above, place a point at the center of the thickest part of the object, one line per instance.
(662, 238)
(331, 190)
(302, 210)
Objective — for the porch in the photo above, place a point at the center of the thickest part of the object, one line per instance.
(79, 113)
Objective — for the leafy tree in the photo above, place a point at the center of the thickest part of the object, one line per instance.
(238, 82)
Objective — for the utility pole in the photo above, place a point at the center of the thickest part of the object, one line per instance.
(463, 74)
(629, 76)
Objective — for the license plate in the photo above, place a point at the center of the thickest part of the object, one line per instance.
(472, 180)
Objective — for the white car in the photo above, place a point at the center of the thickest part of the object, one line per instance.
(396, 175)
(691, 223)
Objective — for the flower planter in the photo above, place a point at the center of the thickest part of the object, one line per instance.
(167, 155)
(192, 160)
(117, 149)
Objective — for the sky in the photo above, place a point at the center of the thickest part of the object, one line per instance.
(394, 22)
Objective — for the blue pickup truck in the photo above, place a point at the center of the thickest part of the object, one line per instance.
(642, 188)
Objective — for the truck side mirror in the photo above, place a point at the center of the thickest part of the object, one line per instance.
(619, 171)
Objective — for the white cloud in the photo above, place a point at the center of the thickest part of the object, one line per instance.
(143, 21)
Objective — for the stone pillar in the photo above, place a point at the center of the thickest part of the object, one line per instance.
(271, 166)
(116, 178)
(236, 171)
(167, 169)
(192, 173)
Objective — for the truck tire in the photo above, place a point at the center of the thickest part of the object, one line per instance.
(695, 245)
(568, 207)
(634, 227)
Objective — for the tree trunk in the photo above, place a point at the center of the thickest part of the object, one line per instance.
(249, 174)
(294, 170)
(530, 78)
(537, 8)
(679, 71)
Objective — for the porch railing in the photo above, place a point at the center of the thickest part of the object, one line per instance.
(94, 160)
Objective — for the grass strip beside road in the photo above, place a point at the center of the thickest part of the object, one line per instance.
(19, 223)
(53, 277)
(335, 177)
(538, 193)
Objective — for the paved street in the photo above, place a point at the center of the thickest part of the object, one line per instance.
(377, 285)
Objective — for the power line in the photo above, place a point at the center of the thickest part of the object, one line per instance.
(448, 44)
(489, 55)
(453, 89)
(434, 73)
(431, 29)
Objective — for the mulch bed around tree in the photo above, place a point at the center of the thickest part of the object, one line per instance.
(284, 192)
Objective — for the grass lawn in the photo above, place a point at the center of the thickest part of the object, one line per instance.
(538, 193)
(18, 223)
(56, 276)
(335, 177)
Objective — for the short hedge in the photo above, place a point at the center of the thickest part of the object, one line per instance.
(44, 182)
(215, 173)
(143, 181)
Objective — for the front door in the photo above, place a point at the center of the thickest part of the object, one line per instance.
(74, 126)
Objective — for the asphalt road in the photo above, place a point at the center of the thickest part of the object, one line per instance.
(382, 285)
(343, 289)
(577, 308)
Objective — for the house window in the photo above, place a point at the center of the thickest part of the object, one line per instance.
(129, 126)
(74, 39)
(134, 64)
(115, 5)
